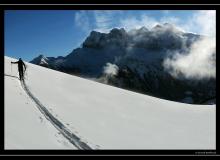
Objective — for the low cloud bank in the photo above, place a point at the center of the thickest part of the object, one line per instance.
(198, 63)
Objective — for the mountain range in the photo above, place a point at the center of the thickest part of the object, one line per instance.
(133, 60)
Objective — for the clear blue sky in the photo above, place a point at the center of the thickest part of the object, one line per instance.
(29, 33)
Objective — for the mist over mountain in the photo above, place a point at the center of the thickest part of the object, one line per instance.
(164, 61)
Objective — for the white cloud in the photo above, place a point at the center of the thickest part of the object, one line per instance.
(81, 20)
(149, 22)
(202, 22)
(198, 63)
(207, 21)
(105, 20)
(136, 23)
(110, 69)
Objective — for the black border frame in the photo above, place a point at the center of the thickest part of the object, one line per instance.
(106, 2)
(104, 7)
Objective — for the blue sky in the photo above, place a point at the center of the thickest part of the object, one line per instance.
(29, 33)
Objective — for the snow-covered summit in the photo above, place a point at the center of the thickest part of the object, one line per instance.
(41, 59)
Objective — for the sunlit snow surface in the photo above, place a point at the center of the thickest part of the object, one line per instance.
(103, 116)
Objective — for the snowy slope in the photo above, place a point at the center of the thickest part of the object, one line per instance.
(104, 117)
(25, 126)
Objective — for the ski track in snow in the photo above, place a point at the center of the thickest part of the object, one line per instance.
(72, 138)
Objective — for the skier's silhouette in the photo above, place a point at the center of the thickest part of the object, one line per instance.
(20, 68)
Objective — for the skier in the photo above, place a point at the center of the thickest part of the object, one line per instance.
(20, 68)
